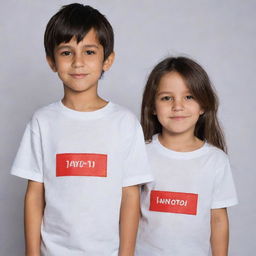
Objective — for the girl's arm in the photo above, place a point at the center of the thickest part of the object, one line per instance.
(34, 208)
(219, 232)
(129, 220)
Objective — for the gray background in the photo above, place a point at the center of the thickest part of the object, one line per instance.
(221, 35)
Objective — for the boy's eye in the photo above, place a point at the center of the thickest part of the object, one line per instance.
(65, 53)
(166, 98)
(189, 97)
(90, 52)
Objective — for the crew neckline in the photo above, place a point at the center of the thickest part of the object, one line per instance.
(86, 114)
(176, 154)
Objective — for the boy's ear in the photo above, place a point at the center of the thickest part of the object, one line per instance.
(51, 63)
(108, 62)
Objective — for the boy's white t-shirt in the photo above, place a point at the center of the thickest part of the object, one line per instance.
(176, 207)
(84, 159)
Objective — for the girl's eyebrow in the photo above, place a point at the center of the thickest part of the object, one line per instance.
(170, 92)
(163, 92)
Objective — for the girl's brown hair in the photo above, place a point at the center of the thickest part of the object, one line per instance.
(207, 127)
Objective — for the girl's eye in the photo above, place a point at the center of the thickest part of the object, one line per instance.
(166, 98)
(90, 52)
(189, 97)
(65, 53)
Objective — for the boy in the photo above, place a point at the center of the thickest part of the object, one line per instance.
(83, 156)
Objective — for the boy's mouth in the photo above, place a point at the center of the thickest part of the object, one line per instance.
(78, 76)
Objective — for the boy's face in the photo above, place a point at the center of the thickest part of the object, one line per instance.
(79, 66)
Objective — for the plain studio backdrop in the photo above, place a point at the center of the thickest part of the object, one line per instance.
(220, 35)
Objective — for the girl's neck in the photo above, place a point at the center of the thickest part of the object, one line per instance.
(180, 143)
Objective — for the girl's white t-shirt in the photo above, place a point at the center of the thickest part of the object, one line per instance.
(176, 207)
(84, 159)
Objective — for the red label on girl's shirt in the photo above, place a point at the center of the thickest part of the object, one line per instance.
(81, 164)
(174, 202)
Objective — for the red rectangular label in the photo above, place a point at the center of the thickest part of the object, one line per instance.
(174, 202)
(81, 164)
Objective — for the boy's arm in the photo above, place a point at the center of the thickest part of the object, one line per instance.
(129, 220)
(219, 232)
(34, 208)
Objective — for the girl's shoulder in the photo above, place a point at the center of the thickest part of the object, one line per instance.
(218, 159)
(154, 147)
(213, 150)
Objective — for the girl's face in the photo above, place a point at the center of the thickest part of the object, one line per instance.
(175, 107)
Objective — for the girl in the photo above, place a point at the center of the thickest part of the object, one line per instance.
(184, 211)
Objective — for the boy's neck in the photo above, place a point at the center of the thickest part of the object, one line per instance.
(82, 103)
(180, 143)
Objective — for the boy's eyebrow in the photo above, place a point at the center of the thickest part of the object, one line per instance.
(91, 46)
(84, 46)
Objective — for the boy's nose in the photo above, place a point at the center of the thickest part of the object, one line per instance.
(78, 61)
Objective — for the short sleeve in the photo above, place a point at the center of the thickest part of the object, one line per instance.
(28, 161)
(136, 170)
(224, 193)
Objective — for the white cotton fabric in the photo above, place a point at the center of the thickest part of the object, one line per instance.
(81, 215)
(205, 172)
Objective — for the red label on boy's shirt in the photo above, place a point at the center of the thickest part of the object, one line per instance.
(174, 202)
(81, 164)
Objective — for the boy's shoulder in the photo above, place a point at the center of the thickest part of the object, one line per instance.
(118, 112)
(46, 111)
(123, 111)
(124, 117)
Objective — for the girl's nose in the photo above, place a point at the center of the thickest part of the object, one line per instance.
(177, 105)
(78, 61)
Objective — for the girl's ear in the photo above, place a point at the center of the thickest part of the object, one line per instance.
(108, 62)
(201, 112)
(51, 63)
